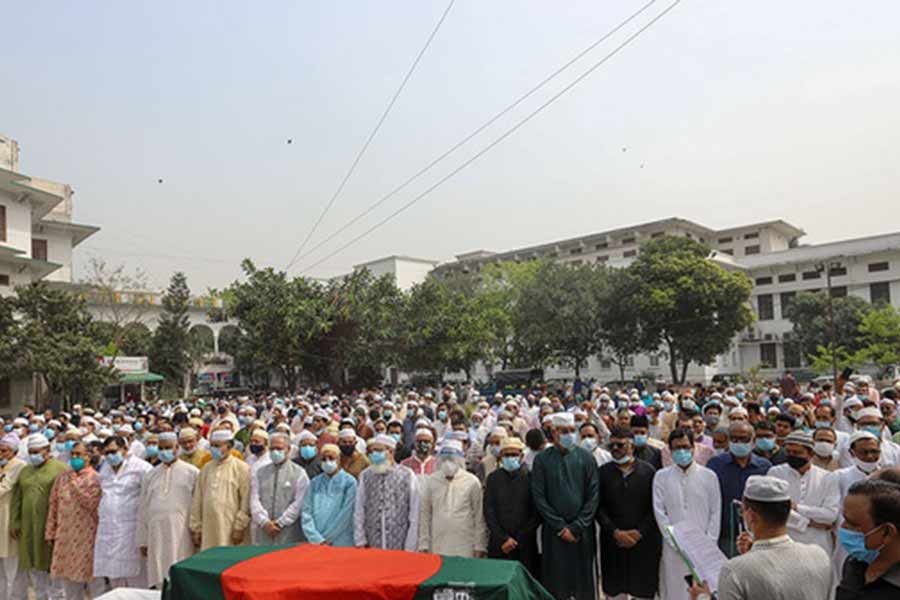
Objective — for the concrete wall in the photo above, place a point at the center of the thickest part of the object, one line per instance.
(18, 223)
(9, 153)
(59, 250)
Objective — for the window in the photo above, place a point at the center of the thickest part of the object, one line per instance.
(751, 250)
(792, 356)
(751, 236)
(628, 240)
(603, 259)
(654, 360)
(726, 240)
(837, 271)
(658, 234)
(839, 291)
(601, 246)
(629, 360)
(786, 299)
(38, 249)
(728, 251)
(763, 280)
(629, 253)
(880, 293)
(553, 255)
(787, 278)
(605, 364)
(768, 356)
(4, 280)
(807, 275)
(576, 250)
(873, 267)
(764, 307)
(2, 223)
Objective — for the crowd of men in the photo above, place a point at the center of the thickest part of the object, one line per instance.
(579, 484)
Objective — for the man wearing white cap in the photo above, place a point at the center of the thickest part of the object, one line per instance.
(10, 469)
(422, 460)
(386, 514)
(191, 453)
(307, 454)
(565, 488)
(870, 419)
(220, 512)
(352, 460)
(452, 519)
(276, 496)
(772, 565)
(163, 534)
(491, 460)
(31, 503)
(814, 493)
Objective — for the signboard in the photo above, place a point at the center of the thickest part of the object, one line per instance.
(127, 364)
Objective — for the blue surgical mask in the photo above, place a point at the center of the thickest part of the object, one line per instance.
(823, 424)
(640, 440)
(307, 452)
(49, 433)
(114, 459)
(396, 437)
(69, 445)
(329, 466)
(740, 449)
(765, 444)
(442, 415)
(277, 456)
(244, 420)
(388, 414)
(217, 453)
(77, 463)
(151, 451)
(873, 429)
(589, 444)
(668, 406)
(60, 446)
(568, 440)
(495, 449)
(854, 542)
(622, 460)
(682, 457)
(510, 463)
(36, 460)
(3, 462)
(167, 456)
(740, 395)
(33, 428)
(8, 428)
(378, 457)
(138, 425)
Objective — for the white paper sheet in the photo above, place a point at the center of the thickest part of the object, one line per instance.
(703, 552)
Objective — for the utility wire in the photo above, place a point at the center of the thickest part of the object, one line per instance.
(502, 137)
(372, 135)
(477, 131)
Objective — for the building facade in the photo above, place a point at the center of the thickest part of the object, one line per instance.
(769, 253)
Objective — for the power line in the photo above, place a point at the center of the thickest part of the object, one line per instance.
(372, 135)
(502, 137)
(477, 131)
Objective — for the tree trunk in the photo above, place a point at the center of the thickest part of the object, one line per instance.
(622, 371)
(684, 368)
(673, 363)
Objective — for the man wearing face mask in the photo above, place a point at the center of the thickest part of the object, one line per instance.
(352, 460)
(590, 441)
(824, 445)
(509, 510)
(814, 493)
(10, 469)
(276, 495)
(28, 520)
(327, 513)
(307, 454)
(772, 565)
(386, 513)
(422, 460)
(870, 419)
(871, 536)
(565, 490)
(452, 518)
(220, 510)
(733, 469)
(643, 449)
(686, 491)
(491, 460)
(630, 544)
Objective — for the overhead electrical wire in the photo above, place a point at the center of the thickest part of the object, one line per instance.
(478, 130)
(502, 137)
(372, 135)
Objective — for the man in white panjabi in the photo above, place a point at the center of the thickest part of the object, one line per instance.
(815, 493)
(10, 468)
(685, 491)
(451, 521)
(163, 534)
(277, 489)
(116, 553)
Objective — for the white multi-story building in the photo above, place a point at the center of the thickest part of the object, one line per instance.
(37, 236)
(769, 253)
(407, 270)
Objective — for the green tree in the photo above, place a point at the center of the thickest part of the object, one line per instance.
(821, 360)
(879, 336)
(687, 303)
(558, 315)
(620, 320)
(52, 337)
(169, 353)
(808, 312)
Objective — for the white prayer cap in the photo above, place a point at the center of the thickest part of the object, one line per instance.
(195, 412)
(563, 419)
(261, 433)
(869, 411)
(547, 419)
(451, 448)
(395, 421)
(887, 401)
(11, 441)
(221, 435)
(346, 434)
(774, 392)
(104, 433)
(740, 411)
(852, 402)
(37, 441)
(423, 423)
(512, 442)
(862, 435)
(21, 422)
(425, 432)
(186, 432)
(384, 440)
(320, 414)
(305, 435)
(54, 422)
(126, 429)
(762, 488)
(499, 431)
(168, 436)
(689, 405)
(801, 438)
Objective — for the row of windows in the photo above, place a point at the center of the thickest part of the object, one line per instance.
(768, 356)
(879, 293)
(876, 267)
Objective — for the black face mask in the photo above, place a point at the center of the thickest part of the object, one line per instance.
(423, 447)
(797, 462)
(257, 448)
(221, 410)
(348, 450)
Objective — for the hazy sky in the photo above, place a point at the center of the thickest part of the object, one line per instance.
(739, 111)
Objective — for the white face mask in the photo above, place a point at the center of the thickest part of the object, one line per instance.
(449, 468)
(866, 467)
(823, 449)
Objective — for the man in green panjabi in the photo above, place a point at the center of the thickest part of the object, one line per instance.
(565, 488)
(31, 502)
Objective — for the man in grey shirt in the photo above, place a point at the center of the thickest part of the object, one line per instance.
(772, 566)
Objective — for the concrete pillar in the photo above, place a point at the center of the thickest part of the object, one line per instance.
(216, 339)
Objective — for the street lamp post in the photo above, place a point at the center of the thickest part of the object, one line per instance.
(831, 333)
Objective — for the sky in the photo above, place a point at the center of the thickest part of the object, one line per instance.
(738, 112)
